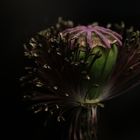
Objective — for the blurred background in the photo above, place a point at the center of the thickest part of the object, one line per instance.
(19, 20)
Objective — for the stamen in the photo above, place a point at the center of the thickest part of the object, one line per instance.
(55, 87)
(46, 66)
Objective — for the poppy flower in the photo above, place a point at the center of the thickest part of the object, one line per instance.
(73, 70)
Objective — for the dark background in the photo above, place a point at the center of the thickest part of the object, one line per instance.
(22, 18)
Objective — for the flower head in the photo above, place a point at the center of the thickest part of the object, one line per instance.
(72, 71)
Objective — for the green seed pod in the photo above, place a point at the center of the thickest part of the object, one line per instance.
(97, 48)
(102, 68)
(104, 64)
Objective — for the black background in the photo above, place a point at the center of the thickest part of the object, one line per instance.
(22, 18)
